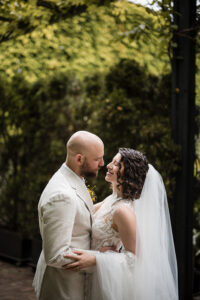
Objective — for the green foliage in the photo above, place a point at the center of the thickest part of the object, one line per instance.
(32, 145)
(127, 107)
(20, 17)
(105, 92)
(134, 111)
(84, 42)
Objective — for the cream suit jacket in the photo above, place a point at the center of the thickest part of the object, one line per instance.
(65, 209)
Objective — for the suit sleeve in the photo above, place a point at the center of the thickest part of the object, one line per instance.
(58, 221)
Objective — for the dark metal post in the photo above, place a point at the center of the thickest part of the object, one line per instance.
(183, 105)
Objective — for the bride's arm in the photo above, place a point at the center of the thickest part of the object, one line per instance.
(84, 258)
(124, 222)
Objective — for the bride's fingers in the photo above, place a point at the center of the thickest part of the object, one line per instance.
(78, 252)
(72, 256)
(71, 266)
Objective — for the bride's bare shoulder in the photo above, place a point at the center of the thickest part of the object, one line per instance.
(123, 214)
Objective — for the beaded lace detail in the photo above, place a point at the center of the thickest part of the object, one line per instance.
(103, 234)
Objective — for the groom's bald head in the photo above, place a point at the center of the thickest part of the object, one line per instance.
(83, 150)
(81, 141)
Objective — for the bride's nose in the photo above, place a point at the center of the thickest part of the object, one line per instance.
(109, 166)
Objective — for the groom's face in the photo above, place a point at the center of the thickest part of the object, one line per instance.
(93, 161)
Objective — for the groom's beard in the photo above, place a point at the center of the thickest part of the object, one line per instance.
(86, 170)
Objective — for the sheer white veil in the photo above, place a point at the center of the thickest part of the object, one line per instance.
(155, 272)
(150, 274)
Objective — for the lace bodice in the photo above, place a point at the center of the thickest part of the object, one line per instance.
(103, 233)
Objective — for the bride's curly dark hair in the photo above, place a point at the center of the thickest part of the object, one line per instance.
(134, 174)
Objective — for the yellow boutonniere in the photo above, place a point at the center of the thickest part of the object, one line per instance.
(92, 193)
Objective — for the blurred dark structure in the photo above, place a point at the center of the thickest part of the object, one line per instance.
(183, 112)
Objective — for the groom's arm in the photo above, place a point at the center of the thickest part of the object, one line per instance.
(58, 220)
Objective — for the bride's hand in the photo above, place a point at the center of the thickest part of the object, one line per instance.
(82, 260)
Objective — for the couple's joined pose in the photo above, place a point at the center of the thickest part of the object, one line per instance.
(119, 249)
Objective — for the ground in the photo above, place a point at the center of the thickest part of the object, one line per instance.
(16, 282)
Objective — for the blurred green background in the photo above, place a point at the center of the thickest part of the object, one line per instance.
(102, 66)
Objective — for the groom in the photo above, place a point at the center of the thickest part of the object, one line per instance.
(65, 210)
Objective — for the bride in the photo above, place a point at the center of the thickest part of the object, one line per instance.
(135, 220)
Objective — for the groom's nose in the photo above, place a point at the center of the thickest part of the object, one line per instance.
(101, 163)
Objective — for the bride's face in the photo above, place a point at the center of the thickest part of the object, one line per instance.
(113, 167)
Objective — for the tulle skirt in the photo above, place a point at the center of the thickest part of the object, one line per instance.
(117, 277)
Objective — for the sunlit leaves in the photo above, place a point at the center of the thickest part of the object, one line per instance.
(92, 40)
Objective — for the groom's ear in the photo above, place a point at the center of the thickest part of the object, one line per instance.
(79, 159)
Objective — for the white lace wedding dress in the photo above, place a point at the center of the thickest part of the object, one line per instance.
(104, 235)
(150, 273)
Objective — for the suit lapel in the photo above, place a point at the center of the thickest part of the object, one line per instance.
(83, 193)
(78, 184)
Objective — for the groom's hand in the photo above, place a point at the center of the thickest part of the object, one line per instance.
(82, 260)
